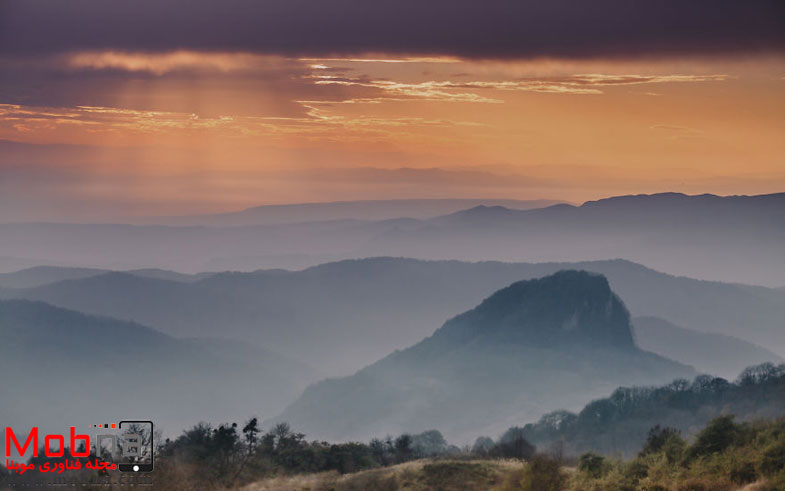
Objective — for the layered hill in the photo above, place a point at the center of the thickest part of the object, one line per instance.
(700, 236)
(344, 315)
(66, 368)
(44, 275)
(715, 354)
(551, 342)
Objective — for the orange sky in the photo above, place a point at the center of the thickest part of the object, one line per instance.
(190, 132)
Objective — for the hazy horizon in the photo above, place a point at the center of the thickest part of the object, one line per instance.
(97, 123)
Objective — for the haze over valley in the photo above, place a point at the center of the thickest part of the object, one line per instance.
(393, 245)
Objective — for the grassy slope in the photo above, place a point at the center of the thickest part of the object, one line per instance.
(753, 461)
(446, 475)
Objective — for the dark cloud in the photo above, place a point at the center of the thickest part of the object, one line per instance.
(469, 28)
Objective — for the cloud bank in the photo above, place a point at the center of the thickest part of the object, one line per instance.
(464, 28)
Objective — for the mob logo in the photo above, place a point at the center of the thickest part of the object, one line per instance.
(134, 454)
(32, 437)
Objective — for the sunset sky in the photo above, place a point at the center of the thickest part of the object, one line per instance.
(112, 110)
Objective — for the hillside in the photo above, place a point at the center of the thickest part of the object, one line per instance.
(557, 341)
(71, 368)
(715, 354)
(620, 423)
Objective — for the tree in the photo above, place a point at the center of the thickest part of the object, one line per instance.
(429, 444)
(717, 436)
(482, 445)
(513, 445)
(760, 374)
(403, 448)
(380, 450)
(655, 440)
(251, 432)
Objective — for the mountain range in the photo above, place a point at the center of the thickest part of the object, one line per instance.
(556, 341)
(699, 236)
(346, 210)
(343, 315)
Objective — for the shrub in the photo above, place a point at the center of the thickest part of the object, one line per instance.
(592, 464)
(543, 473)
(636, 470)
(657, 438)
(773, 459)
(743, 472)
(717, 436)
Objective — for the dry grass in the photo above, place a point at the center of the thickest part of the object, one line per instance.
(439, 475)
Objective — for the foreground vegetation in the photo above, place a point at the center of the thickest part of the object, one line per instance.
(723, 454)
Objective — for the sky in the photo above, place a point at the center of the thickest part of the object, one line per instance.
(171, 107)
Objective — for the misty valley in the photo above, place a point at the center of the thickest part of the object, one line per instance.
(391, 372)
(392, 245)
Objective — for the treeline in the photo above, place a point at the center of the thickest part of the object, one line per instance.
(228, 456)
(661, 421)
(619, 424)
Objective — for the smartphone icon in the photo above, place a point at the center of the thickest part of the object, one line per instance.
(135, 439)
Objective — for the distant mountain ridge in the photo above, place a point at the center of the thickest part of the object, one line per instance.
(43, 275)
(715, 354)
(558, 340)
(699, 236)
(347, 210)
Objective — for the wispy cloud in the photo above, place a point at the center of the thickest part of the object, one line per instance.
(581, 84)
(317, 124)
(601, 79)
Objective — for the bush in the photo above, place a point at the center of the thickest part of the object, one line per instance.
(543, 473)
(657, 438)
(674, 448)
(636, 470)
(592, 464)
(743, 472)
(773, 459)
(716, 437)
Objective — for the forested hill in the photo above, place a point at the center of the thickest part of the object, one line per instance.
(620, 423)
(557, 341)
